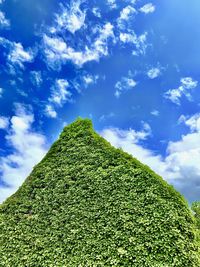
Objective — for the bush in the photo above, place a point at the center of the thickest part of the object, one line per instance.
(89, 204)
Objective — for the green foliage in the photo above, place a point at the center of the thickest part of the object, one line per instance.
(87, 204)
(196, 210)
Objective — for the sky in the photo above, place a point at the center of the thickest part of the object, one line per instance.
(131, 66)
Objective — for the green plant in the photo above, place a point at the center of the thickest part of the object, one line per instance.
(196, 211)
(89, 204)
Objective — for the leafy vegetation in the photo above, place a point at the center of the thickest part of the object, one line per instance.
(196, 210)
(89, 204)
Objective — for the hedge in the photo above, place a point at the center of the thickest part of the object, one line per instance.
(88, 204)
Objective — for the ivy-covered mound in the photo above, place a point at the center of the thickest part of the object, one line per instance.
(89, 204)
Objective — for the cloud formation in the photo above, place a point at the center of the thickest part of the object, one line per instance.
(36, 78)
(4, 122)
(1, 92)
(57, 51)
(60, 92)
(28, 148)
(148, 8)
(126, 83)
(112, 4)
(185, 89)
(70, 18)
(17, 56)
(180, 166)
(4, 23)
(127, 15)
(153, 73)
(50, 111)
(155, 113)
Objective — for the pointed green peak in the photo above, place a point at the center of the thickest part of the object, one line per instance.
(90, 204)
(80, 124)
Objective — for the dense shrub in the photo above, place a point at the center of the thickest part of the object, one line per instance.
(196, 211)
(89, 204)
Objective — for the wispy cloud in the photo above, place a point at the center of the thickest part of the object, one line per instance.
(148, 8)
(187, 84)
(36, 78)
(97, 12)
(50, 111)
(16, 54)
(70, 18)
(155, 113)
(154, 73)
(126, 83)
(1, 92)
(192, 122)
(90, 79)
(127, 15)
(60, 92)
(28, 149)
(139, 42)
(180, 166)
(104, 117)
(4, 122)
(118, 137)
(57, 52)
(4, 23)
(112, 4)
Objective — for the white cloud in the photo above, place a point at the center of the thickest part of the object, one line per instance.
(96, 11)
(36, 78)
(57, 52)
(112, 4)
(192, 122)
(118, 136)
(183, 161)
(60, 92)
(28, 149)
(18, 55)
(126, 83)
(148, 8)
(4, 23)
(128, 37)
(106, 116)
(90, 79)
(127, 15)
(180, 166)
(187, 84)
(155, 113)
(139, 42)
(130, 141)
(71, 18)
(4, 122)
(154, 73)
(50, 111)
(1, 92)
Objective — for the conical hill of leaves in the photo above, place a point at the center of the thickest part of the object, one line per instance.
(87, 204)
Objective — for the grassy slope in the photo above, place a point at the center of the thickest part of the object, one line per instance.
(89, 204)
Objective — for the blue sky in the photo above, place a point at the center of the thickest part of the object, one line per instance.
(131, 66)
